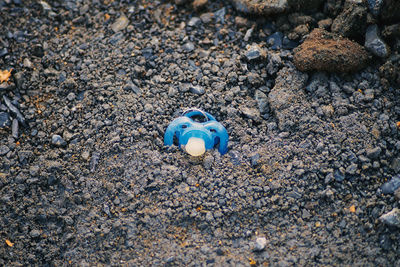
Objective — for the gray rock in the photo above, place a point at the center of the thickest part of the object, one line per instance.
(274, 63)
(251, 113)
(19, 79)
(260, 244)
(34, 233)
(120, 24)
(374, 43)
(207, 17)
(266, 7)
(373, 153)
(14, 128)
(396, 165)
(188, 47)
(130, 86)
(254, 52)
(71, 96)
(195, 21)
(352, 169)
(27, 63)
(391, 218)
(391, 186)
(4, 119)
(3, 52)
(198, 90)
(262, 101)
(34, 170)
(4, 150)
(286, 99)
(148, 108)
(220, 15)
(207, 162)
(14, 110)
(57, 140)
(275, 40)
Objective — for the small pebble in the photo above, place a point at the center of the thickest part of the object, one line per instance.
(391, 186)
(58, 140)
(391, 218)
(260, 244)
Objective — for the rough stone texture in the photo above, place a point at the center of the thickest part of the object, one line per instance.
(120, 24)
(391, 218)
(326, 51)
(374, 43)
(390, 71)
(391, 31)
(305, 5)
(352, 21)
(286, 98)
(390, 12)
(261, 7)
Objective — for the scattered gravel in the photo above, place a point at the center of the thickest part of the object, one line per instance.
(311, 174)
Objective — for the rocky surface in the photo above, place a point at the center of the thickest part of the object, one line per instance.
(374, 43)
(326, 51)
(352, 22)
(311, 173)
(261, 7)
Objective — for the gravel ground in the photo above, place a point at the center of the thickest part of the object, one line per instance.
(84, 176)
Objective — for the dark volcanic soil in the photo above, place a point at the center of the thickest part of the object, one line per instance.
(87, 181)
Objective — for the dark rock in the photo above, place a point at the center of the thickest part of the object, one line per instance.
(261, 7)
(390, 71)
(58, 141)
(37, 51)
(391, 186)
(333, 7)
(324, 51)
(338, 175)
(4, 119)
(374, 43)
(305, 5)
(352, 21)
(375, 6)
(390, 12)
(391, 32)
(391, 218)
(373, 153)
(3, 52)
(275, 40)
(14, 110)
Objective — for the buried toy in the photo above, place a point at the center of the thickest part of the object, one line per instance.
(197, 137)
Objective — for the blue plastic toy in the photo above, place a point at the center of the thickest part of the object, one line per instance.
(197, 137)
